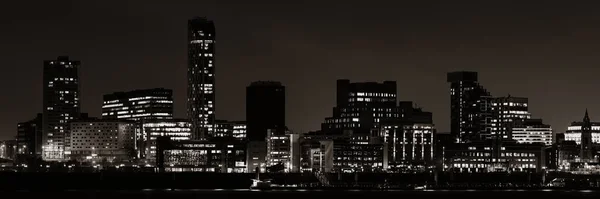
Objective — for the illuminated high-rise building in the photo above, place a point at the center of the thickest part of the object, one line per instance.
(362, 107)
(201, 77)
(470, 109)
(60, 103)
(136, 105)
(507, 112)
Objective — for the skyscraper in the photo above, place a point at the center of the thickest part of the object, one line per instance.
(60, 103)
(201, 77)
(470, 110)
(135, 105)
(265, 109)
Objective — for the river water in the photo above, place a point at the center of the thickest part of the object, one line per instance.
(312, 194)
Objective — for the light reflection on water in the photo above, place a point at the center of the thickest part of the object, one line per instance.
(349, 190)
(359, 190)
(341, 191)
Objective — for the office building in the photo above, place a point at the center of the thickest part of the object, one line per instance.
(316, 154)
(224, 128)
(201, 77)
(343, 153)
(360, 154)
(470, 108)
(506, 112)
(217, 155)
(29, 137)
(279, 149)
(61, 105)
(409, 138)
(361, 107)
(256, 152)
(295, 151)
(409, 146)
(97, 140)
(442, 140)
(480, 157)
(265, 109)
(174, 129)
(239, 130)
(532, 131)
(136, 105)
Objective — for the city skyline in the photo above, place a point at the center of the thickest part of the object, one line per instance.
(304, 114)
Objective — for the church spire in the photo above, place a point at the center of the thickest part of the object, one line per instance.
(586, 118)
(586, 138)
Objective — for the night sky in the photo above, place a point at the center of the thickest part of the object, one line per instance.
(546, 51)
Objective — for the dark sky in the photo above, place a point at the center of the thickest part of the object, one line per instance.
(546, 51)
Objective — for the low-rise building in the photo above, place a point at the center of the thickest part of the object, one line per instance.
(409, 145)
(282, 149)
(174, 129)
(573, 132)
(343, 153)
(219, 155)
(236, 129)
(29, 137)
(532, 131)
(492, 155)
(95, 140)
(8, 149)
(256, 152)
